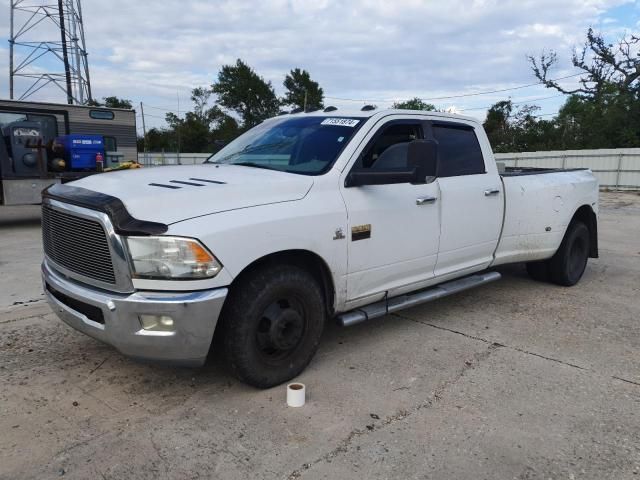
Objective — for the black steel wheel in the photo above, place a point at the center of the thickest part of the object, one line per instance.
(567, 266)
(272, 324)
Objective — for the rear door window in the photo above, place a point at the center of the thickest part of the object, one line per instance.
(459, 151)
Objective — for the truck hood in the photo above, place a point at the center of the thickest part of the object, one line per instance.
(171, 194)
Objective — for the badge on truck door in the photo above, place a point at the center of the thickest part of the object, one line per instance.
(360, 232)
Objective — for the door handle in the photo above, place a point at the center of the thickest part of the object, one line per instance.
(491, 191)
(425, 200)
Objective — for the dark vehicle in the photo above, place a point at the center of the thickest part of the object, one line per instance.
(46, 143)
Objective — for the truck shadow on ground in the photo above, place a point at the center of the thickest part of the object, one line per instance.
(30, 221)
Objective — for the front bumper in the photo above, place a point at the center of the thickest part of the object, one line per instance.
(195, 315)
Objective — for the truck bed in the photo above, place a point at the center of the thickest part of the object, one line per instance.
(521, 171)
(539, 203)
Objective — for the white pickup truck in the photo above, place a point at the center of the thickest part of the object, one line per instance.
(304, 218)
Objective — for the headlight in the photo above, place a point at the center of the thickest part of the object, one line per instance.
(170, 258)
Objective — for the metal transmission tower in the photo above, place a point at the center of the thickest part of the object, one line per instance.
(39, 60)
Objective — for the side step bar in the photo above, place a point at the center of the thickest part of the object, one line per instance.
(384, 307)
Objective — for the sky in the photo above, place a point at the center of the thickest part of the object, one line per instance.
(360, 51)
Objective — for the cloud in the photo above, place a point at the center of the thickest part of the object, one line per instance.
(363, 49)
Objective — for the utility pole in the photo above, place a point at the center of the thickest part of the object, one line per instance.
(178, 127)
(144, 132)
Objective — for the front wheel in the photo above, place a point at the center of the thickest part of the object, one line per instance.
(273, 321)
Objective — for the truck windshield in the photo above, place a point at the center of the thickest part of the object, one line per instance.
(304, 145)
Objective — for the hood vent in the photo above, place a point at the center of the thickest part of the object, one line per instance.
(163, 186)
(184, 182)
(187, 183)
(208, 181)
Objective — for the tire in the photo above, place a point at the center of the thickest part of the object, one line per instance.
(272, 324)
(569, 262)
(539, 271)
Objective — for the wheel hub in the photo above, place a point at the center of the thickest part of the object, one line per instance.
(286, 329)
(281, 329)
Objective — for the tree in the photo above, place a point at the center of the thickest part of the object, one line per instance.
(518, 129)
(198, 131)
(610, 120)
(158, 140)
(112, 102)
(191, 135)
(302, 92)
(242, 90)
(497, 125)
(115, 102)
(604, 110)
(200, 97)
(414, 104)
(607, 68)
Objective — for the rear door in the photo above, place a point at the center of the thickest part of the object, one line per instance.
(471, 200)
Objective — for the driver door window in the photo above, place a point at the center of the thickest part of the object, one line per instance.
(389, 149)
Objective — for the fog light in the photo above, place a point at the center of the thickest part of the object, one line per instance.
(156, 323)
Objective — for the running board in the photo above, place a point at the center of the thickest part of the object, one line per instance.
(384, 307)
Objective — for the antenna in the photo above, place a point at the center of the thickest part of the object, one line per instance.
(37, 61)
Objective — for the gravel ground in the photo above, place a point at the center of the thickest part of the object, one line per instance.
(514, 380)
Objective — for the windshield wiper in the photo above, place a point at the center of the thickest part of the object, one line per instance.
(256, 165)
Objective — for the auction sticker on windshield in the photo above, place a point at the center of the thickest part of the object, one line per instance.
(342, 122)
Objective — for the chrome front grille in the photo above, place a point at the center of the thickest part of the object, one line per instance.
(77, 244)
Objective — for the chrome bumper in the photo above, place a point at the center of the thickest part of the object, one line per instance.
(195, 315)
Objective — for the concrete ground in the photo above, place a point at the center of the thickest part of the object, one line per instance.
(514, 380)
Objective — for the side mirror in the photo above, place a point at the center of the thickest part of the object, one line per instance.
(358, 178)
(423, 156)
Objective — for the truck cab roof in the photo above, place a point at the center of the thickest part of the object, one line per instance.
(356, 113)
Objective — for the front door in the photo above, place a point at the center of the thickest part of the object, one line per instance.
(394, 230)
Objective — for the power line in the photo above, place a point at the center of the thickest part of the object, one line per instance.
(165, 108)
(154, 116)
(486, 92)
(514, 103)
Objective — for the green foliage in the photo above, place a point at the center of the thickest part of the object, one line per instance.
(199, 131)
(158, 140)
(414, 104)
(243, 91)
(302, 92)
(112, 102)
(602, 112)
(517, 129)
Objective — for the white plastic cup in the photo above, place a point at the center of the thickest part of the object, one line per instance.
(296, 394)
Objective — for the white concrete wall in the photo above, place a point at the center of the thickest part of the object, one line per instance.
(615, 168)
(159, 159)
